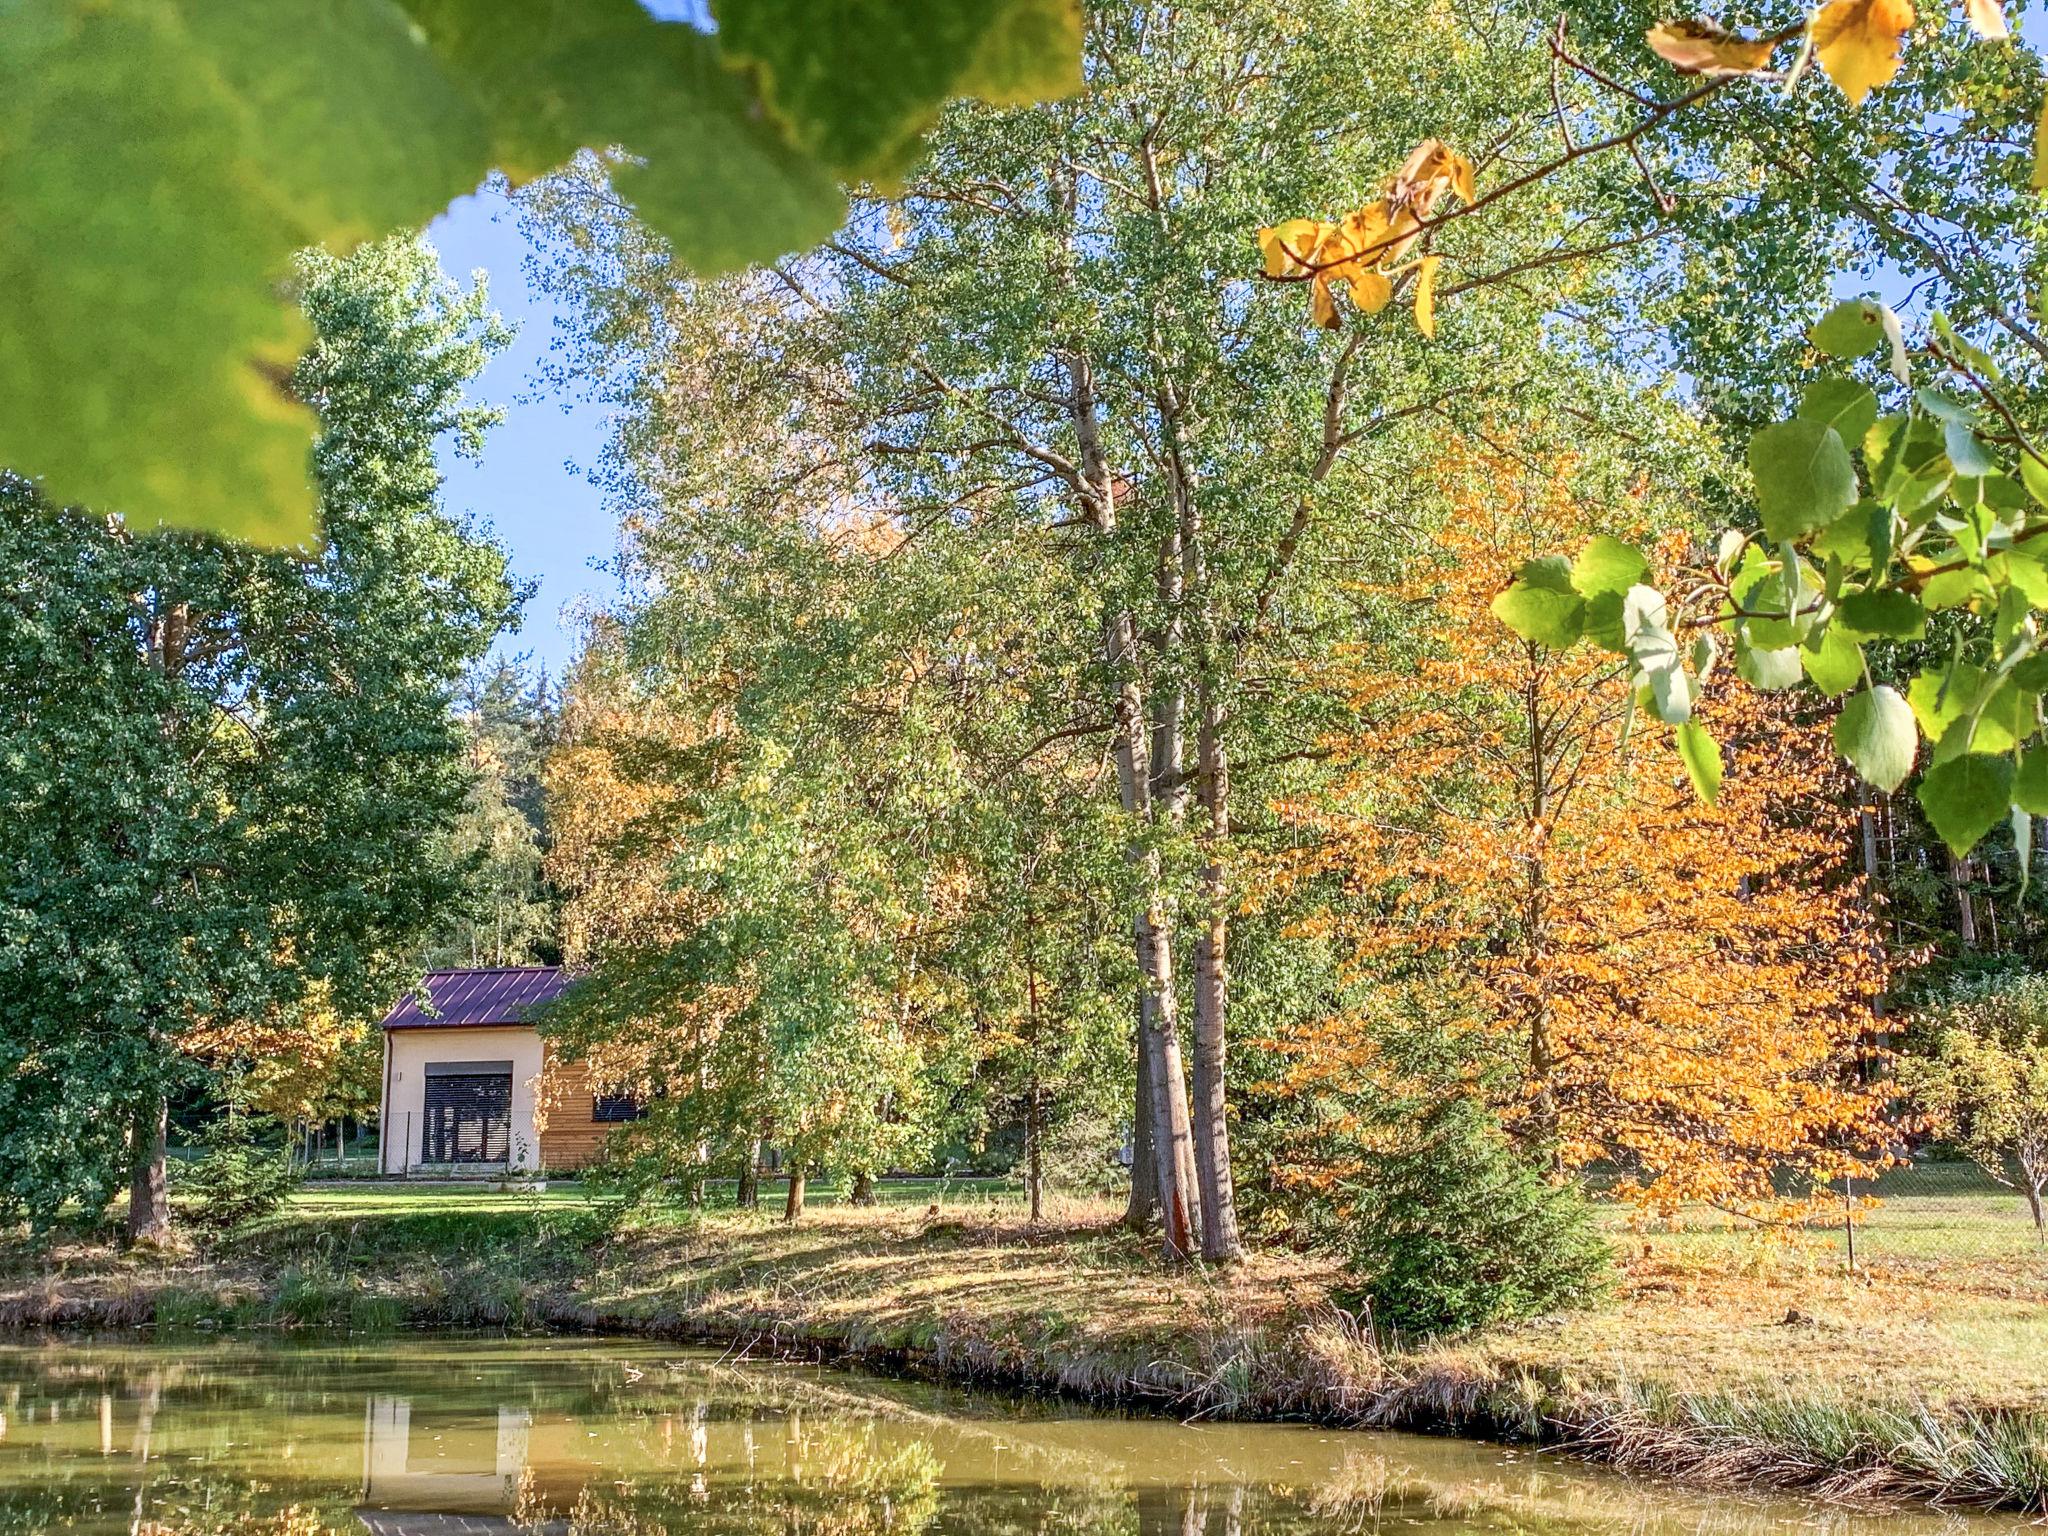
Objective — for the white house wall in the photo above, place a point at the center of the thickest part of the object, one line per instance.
(402, 1127)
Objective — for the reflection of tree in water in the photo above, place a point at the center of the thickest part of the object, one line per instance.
(837, 1481)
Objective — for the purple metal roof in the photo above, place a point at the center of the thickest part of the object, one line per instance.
(496, 995)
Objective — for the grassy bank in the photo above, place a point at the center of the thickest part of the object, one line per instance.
(1717, 1360)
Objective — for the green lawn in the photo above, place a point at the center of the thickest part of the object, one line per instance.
(323, 1197)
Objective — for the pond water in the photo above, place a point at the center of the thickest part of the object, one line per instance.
(437, 1436)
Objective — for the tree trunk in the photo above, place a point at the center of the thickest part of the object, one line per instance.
(1220, 1243)
(2034, 1205)
(793, 1203)
(1966, 906)
(1137, 750)
(749, 1196)
(863, 1192)
(149, 1202)
(1034, 1105)
(1034, 1152)
(1144, 1202)
(1172, 1153)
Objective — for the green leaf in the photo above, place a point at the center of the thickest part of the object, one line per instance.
(1541, 604)
(2030, 784)
(160, 162)
(1804, 479)
(2023, 568)
(1852, 328)
(1966, 797)
(1770, 670)
(855, 82)
(1834, 662)
(1876, 734)
(1847, 406)
(2023, 846)
(1608, 565)
(1940, 698)
(1603, 622)
(1888, 613)
(1952, 589)
(1701, 755)
(1945, 408)
(2034, 476)
(1969, 456)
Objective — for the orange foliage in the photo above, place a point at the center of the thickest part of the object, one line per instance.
(1680, 988)
(617, 823)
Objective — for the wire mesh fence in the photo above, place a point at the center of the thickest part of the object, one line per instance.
(1934, 1221)
(1933, 1214)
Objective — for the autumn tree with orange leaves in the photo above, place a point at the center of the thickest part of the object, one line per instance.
(1642, 981)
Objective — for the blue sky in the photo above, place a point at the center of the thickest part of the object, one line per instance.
(530, 486)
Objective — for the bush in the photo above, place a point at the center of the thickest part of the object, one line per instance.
(1454, 1230)
(237, 1180)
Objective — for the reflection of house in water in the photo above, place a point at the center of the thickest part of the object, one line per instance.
(457, 1475)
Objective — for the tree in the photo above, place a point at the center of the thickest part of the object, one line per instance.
(1677, 989)
(1039, 355)
(227, 770)
(509, 918)
(1984, 1082)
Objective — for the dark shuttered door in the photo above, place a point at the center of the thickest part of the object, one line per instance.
(469, 1112)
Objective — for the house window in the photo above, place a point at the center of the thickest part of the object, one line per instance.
(612, 1108)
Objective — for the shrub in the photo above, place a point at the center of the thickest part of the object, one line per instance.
(1452, 1230)
(238, 1179)
(1984, 1082)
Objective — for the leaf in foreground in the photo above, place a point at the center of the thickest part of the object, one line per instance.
(1857, 42)
(1966, 797)
(1702, 48)
(1877, 734)
(1701, 755)
(1804, 478)
(161, 160)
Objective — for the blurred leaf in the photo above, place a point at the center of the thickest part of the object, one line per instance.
(1542, 605)
(1835, 664)
(1702, 48)
(1966, 797)
(1857, 42)
(1852, 328)
(1888, 613)
(161, 160)
(1608, 565)
(856, 82)
(1847, 406)
(1876, 734)
(1701, 755)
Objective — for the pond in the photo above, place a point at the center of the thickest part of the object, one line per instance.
(579, 1437)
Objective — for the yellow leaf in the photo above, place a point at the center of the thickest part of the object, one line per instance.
(1987, 18)
(1286, 246)
(1461, 178)
(1425, 296)
(1371, 291)
(1701, 48)
(2041, 152)
(1858, 42)
(1323, 303)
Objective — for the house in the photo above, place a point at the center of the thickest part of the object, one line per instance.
(470, 1086)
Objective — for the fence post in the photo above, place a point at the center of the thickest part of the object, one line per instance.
(1849, 1216)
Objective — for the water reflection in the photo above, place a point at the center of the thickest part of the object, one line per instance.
(597, 1438)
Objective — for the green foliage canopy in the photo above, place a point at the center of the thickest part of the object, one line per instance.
(226, 769)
